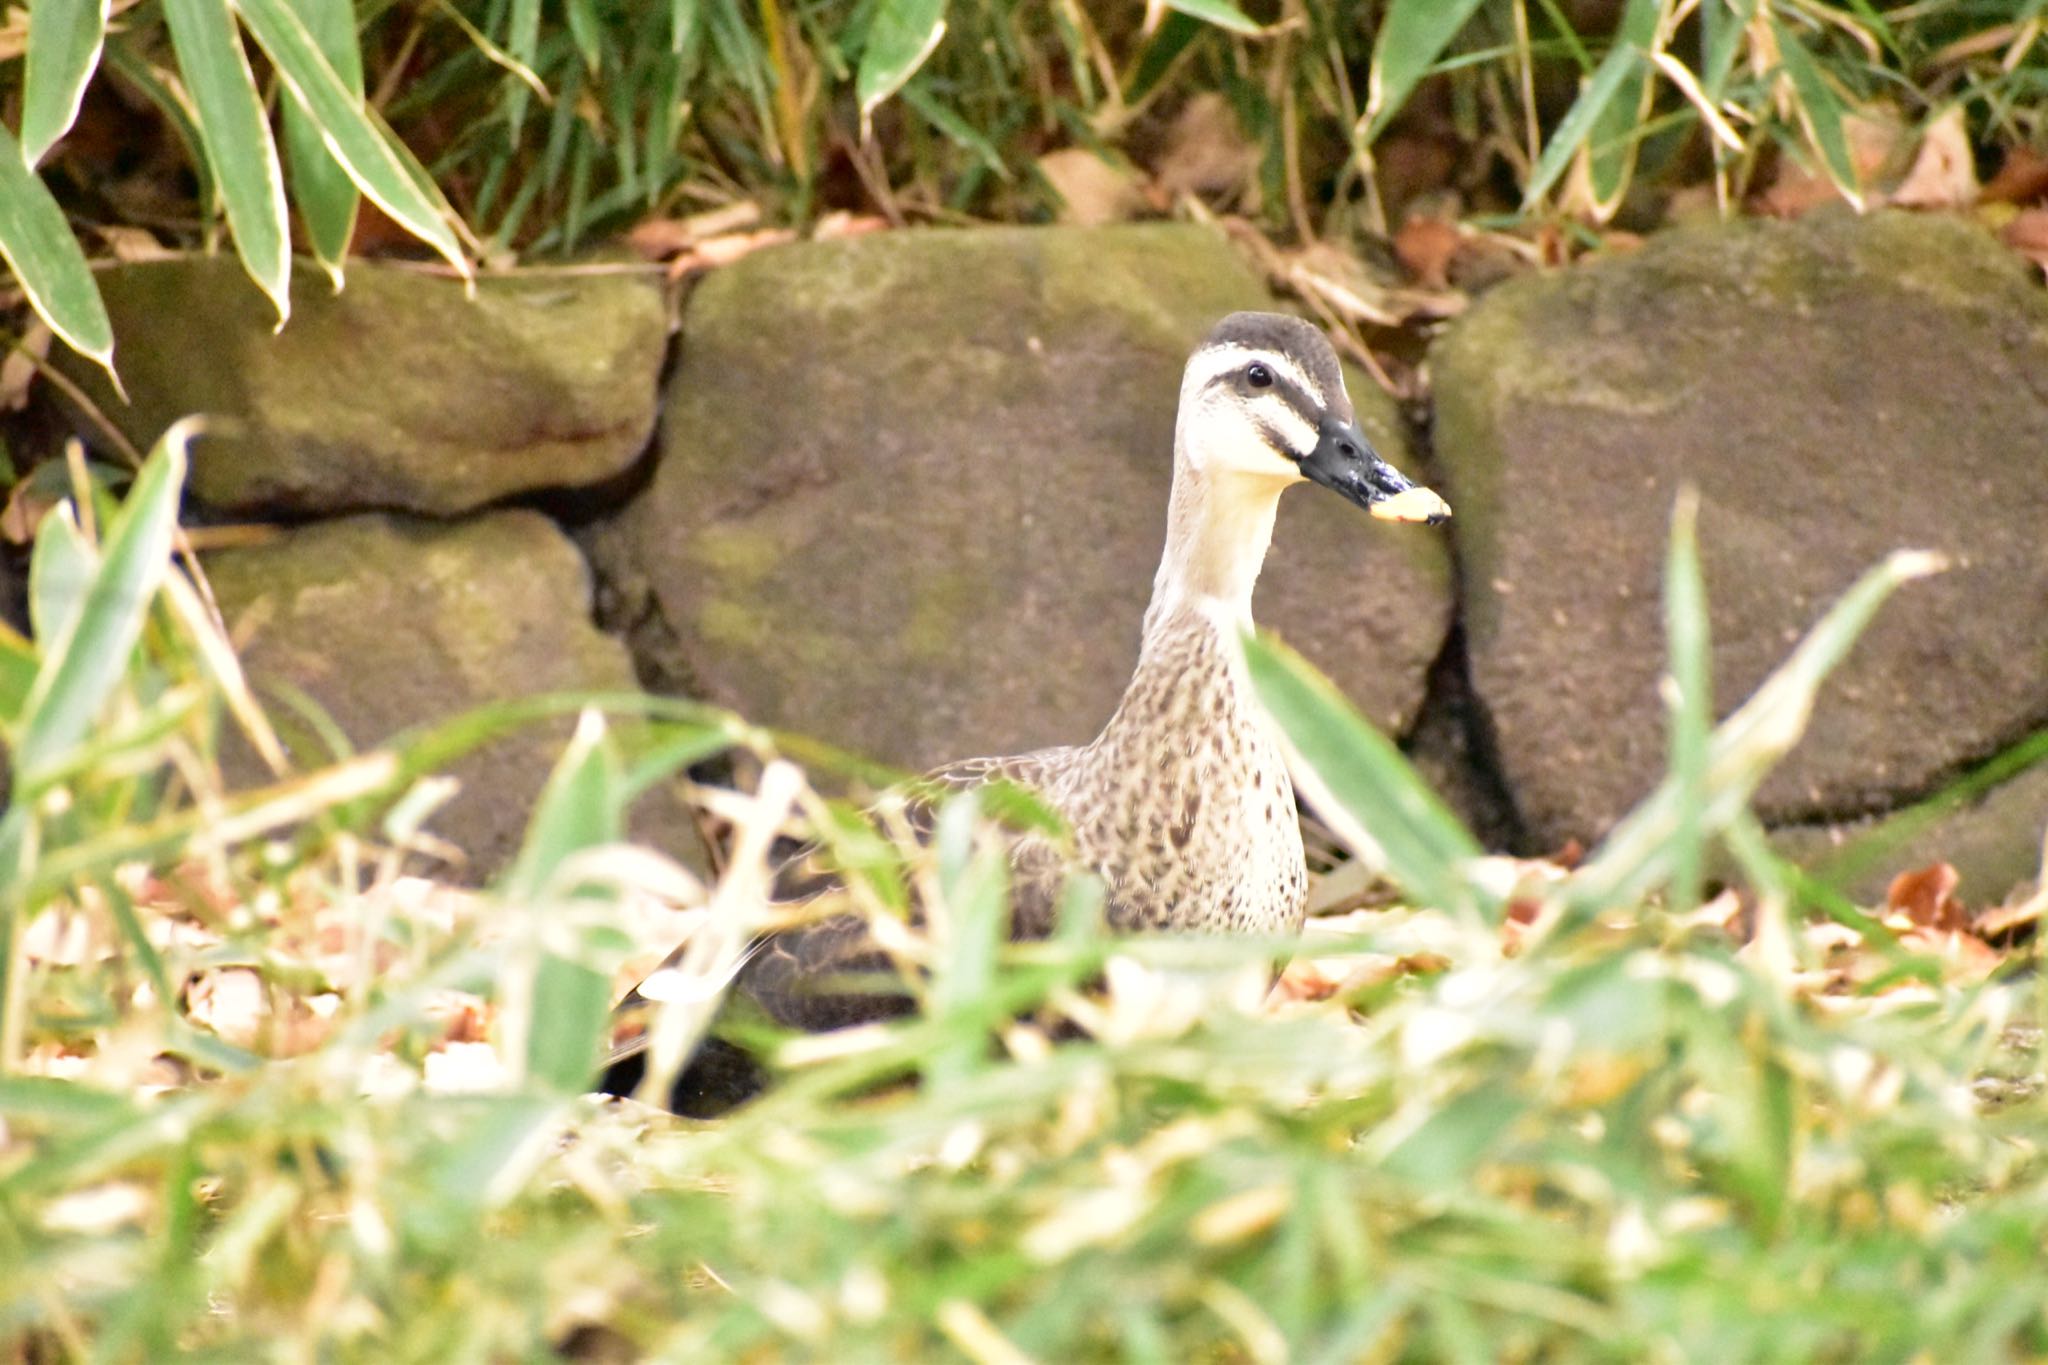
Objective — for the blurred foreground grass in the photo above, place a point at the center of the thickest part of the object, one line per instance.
(266, 1095)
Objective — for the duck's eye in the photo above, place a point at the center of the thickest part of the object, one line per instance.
(1258, 376)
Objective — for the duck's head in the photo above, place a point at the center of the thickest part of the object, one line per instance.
(1263, 397)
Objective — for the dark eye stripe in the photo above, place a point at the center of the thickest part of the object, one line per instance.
(1290, 393)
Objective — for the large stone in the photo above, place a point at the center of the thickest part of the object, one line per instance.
(913, 491)
(399, 392)
(390, 622)
(1836, 388)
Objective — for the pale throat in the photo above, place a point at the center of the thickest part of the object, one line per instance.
(1218, 526)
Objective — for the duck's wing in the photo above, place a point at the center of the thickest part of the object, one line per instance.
(829, 973)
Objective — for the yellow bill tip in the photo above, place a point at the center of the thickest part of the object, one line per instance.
(1413, 504)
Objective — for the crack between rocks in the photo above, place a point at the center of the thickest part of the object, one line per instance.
(1453, 729)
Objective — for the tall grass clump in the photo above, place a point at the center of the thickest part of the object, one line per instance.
(267, 1092)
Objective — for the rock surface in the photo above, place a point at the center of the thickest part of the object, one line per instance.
(1993, 841)
(1837, 388)
(390, 622)
(397, 393)
(913, 491)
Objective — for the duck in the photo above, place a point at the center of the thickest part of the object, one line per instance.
(1181, 804)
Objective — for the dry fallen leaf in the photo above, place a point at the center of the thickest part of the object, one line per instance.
(1925, 899)
(841, 223)
(1944, 173)
(1328, 275)
(713, 252)
(1876, 141)
(1425, 248)
(2027, 234)
(98, 1209)
(1092, 192)
(134, 244)
(1206, 154)
(25, 510)
(18, 369)
(2020, 179)
(1966, 957)
(658, 239)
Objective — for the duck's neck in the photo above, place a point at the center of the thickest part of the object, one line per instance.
(1218, 526)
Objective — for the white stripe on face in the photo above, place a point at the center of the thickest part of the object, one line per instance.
(1212, 362)
(1296, 432)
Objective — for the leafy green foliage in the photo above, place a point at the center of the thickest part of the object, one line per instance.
(1636, 1134)
(542, 127)
(40, 250)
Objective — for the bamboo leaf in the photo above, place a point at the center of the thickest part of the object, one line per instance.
(902, 35)
(1691, 699)
(522, 40)
(237, 137)
(1577, 125)
(973, 879)
(380, 167)
(60, 570)
(1611, 145)
(579, 808)
(561, 1017)
(326, 198)
(1412, 36)
(17, 676)
(586, 30)
(46, 260)
(82, 664)
(1360, 782)
(64, 38)
(1820, 113)
(1221, 13)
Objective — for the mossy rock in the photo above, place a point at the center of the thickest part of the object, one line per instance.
(400, 392)
(1836, 388)
(391, 622)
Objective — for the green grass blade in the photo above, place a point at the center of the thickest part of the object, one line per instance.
(579, 808)
(973, 877)
(1611, 147)
(1821, 112)
(958, 130)
(1413, 34)
(1721, 37)
(237, 136)
(502, 1140)
(46, 259)
(586, 30)
(64, 38)
(522, 40)
(1360, 782)
(1576, 128)
(1637, 855)
(17, 676)
(82, 664)
(60, 570)
(326, 198)
(381, 168)
(561, 1019)
(902, 34)
(1691, 699)
(1221, 13)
